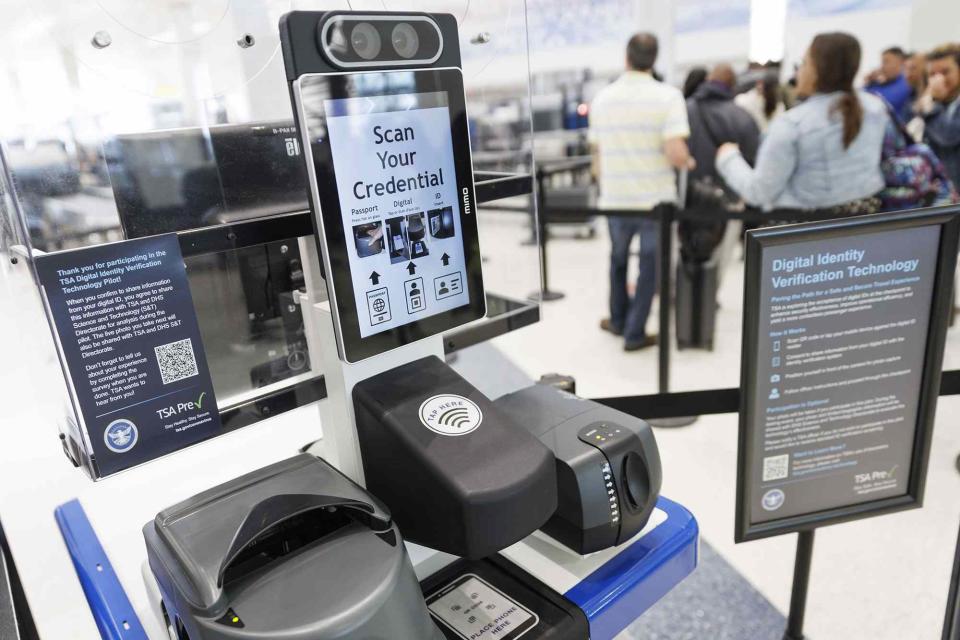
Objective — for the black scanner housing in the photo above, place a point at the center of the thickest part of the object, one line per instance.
(608, 466)
(469, 495)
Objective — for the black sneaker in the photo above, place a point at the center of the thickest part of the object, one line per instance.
(645, 343)
(607, 326)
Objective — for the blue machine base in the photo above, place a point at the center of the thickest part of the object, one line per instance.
(612, 597)
(109, 604)
(617, 593)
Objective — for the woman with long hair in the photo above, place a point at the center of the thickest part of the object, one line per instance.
(763, 101)
(825, 152)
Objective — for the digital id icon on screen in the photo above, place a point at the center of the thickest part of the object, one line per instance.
(416, 301)
(448, 285)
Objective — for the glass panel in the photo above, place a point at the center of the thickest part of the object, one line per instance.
(24, 324)
(10, 230)
(251, 324)
(496, 75)
(569, 65)
(121, 121)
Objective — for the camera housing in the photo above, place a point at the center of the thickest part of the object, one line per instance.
(324, 41)
(351, 41)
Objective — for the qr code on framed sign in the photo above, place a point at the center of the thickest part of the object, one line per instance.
(776, 467)
(176, 360)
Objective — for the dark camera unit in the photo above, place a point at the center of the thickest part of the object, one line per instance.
(317, 41)
(608, 466)
(352, 41)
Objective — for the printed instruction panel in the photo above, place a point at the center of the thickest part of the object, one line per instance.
(475, 610)
(841, 347)
(128, 332)
(400, 206)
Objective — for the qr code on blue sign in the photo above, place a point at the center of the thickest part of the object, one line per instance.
(176, 360)
(776, 467)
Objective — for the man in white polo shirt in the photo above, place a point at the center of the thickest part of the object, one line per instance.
(638, 132)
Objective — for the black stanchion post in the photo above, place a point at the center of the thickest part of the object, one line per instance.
(545, 294)
(666, 301)
(801, 582)
(666, 287)
(536, 207)
(951, 623)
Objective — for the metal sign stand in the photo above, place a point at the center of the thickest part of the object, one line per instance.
(801, 582)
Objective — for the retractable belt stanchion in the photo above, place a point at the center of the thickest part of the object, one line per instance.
(545, 294)
(666, 217)
(663, 346)
(665, 214)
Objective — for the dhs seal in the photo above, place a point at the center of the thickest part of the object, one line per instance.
(773, 499)
(450, 415)
(120, 436)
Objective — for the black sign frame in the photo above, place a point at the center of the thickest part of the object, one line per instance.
(948, 218)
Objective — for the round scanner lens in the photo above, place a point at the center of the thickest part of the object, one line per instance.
(365, 40)
(405, 40)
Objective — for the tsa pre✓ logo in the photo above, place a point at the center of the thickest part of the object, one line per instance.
(450, 415)
(120, 436)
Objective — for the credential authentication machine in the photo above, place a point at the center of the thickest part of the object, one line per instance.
(313, 547)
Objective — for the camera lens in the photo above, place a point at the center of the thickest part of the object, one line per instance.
(405, 40)
(365, 40)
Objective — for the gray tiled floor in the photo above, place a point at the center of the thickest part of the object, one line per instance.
(715, 602)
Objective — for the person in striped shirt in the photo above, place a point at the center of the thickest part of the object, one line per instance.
(638, 131)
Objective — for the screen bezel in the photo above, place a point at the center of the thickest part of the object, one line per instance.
(532, 622)
(328, 221)
(948, 219)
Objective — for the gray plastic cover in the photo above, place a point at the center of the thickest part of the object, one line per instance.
(204, 533)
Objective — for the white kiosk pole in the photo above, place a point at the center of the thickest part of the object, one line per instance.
(338, 444)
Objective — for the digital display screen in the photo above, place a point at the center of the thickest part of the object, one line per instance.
(400, 206)
(475, 610)
(395, 210)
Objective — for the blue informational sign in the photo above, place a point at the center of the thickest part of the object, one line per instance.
(130, 343)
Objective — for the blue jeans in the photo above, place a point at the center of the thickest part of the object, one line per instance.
(630, 315)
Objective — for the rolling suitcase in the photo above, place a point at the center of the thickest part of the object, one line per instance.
(696, 306)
